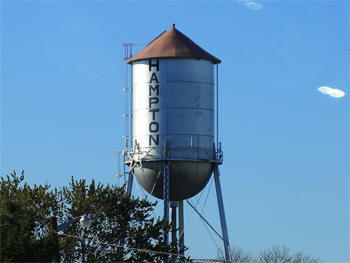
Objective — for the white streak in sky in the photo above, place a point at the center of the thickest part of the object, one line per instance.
(251, 4)
(335, 93)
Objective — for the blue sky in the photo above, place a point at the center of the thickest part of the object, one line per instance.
(285, 176)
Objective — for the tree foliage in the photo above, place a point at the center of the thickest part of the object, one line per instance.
(24, 219)
(119, 224)
(122, 229)
(117, 221)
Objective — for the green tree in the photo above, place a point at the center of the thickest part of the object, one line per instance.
(24, 219)
(116, 220)
(122, 228)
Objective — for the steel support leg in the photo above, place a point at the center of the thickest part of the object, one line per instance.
(54, 230)
(130, 182)
(181, 229)
(222, 214)
(173, 206)
(166, 197)
(128, 191)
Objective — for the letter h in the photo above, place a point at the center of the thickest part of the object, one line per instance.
(153, 65)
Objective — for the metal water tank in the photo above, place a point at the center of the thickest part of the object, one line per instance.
(173, 115)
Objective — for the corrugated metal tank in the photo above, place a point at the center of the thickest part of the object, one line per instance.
(173, 109)
(173, 116)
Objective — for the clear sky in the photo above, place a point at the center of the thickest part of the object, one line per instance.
(285, 176)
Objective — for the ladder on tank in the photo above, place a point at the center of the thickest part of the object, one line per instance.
(127, 53)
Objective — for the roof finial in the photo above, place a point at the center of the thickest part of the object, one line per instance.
(173, 25)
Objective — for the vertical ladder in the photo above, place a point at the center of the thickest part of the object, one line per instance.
(127, 48)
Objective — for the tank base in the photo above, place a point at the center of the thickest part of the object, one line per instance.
(186, 178)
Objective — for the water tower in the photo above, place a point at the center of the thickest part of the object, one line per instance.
(174, 148)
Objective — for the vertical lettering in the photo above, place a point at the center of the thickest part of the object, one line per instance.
(153, 65)
(153, 126)
(154, 78)
(155, 140)
(154, 113)
(154, 89)
(153, 100)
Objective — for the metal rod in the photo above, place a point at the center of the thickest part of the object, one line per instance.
(130, 182)
(126, 110)
(181, 228)
(56, 249)
(166, 197)
(206, 221)
(217, 105)
(68, 223)
(173, 206)
(129, 133)
(131, 103)
(128, 115)
(125, 170)
(222, 214)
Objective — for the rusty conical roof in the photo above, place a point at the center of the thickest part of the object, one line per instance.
(173, 44)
